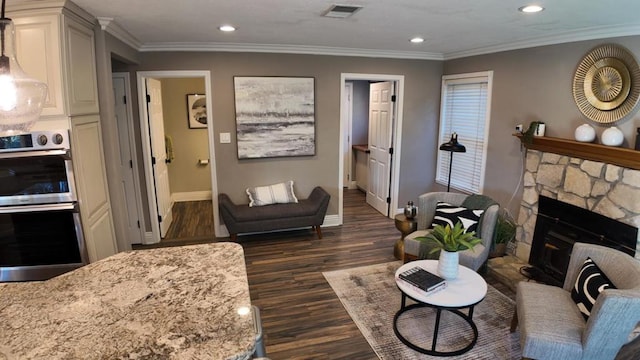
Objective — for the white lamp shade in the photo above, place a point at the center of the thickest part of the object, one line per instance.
(21, 97)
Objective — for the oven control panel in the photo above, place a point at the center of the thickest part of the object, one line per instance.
(37, 140)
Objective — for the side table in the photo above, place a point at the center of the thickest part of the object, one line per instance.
(406, 227)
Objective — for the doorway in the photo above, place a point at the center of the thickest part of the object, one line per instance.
(152, 155)
(395, 135)
(130, 181)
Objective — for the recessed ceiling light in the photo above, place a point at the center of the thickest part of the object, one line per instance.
(531, 9)
(417, 40)
(227, 28)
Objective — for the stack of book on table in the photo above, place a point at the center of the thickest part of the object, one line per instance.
(423, 279)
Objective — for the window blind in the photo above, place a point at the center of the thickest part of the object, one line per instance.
(464, 111)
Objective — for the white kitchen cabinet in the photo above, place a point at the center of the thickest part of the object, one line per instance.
(55, 43)
(93, 195)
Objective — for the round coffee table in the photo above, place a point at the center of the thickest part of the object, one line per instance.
(464, 292)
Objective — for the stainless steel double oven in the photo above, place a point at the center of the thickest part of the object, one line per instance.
(40, 229)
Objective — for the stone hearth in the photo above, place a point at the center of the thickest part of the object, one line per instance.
(606, 189)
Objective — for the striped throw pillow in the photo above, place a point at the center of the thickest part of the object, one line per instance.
(281, 193)
(451, 214)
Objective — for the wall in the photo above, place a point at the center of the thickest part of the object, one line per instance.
(421, 104)
(528, 85)
(360, 121)
(107, 47)
(189, 145)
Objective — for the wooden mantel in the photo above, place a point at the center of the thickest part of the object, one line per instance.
(623, 157)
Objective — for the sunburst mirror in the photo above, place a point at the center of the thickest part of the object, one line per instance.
(606, 85)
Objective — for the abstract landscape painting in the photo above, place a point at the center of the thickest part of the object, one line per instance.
(275, 116)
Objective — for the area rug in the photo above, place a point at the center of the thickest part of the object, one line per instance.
(371, 297)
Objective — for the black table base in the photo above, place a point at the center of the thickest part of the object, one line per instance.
(468, 318)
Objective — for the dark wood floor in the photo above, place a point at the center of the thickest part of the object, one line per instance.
(302, 317)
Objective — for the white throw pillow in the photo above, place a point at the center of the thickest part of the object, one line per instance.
(281, 193)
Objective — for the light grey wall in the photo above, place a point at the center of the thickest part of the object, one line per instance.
(422, 94)
(533, 84)
(189, 145)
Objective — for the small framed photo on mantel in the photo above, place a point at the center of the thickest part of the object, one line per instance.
(197, 111)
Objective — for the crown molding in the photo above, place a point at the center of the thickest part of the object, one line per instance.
(107, 24)
(290, 49)
(593, 33)
(113, 28)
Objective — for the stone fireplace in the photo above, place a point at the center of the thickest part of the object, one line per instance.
(608, 189)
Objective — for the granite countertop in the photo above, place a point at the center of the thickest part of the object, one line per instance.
(166, 303)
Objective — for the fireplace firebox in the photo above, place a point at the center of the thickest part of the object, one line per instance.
(559, 225)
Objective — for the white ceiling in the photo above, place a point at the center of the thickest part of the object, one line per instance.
(451, 28)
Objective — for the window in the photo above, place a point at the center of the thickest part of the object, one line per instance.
(465, 110)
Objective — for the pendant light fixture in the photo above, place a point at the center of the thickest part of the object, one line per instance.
(21, 97)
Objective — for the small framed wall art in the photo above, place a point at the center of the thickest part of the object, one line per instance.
(197, 111)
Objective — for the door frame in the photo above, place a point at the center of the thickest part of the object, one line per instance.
(347, 104)
(146, 147)
(396, 138)
(134, 155)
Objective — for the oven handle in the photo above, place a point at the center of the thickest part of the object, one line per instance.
(38, 208)
(21, 154)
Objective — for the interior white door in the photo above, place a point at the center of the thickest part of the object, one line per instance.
(130, 189)
(380, 134)
(159, 155)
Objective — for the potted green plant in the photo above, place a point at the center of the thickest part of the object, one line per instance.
(505, 232)
(527, 135)
(448, 241)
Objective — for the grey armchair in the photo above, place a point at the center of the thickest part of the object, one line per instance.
(472, 259)
(552, 327)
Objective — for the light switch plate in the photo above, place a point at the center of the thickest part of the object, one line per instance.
(225, 138)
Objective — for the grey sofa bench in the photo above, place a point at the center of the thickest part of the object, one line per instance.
(244, 219)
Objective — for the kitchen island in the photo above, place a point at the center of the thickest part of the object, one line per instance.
(188, 302)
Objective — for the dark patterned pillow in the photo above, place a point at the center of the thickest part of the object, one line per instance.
(451, 214)
(590, 283)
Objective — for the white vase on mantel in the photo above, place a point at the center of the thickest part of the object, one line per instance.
(448, 264)
(612, 137)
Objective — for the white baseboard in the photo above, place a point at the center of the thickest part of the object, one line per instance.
(148, 238)
(191, 196)
(331, 220)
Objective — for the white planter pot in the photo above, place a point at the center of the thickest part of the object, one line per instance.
(448, 265)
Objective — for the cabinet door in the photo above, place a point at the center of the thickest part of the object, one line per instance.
(93, 191)
(82, 88)
(38, 51)
(99, 237)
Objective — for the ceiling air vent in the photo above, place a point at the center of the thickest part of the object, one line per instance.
(341, 11)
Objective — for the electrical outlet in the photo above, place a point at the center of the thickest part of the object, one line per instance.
(519, 128)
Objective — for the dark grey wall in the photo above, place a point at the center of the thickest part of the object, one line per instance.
(533, 84)
(422, 94)
(108, 47)
(360, 121)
